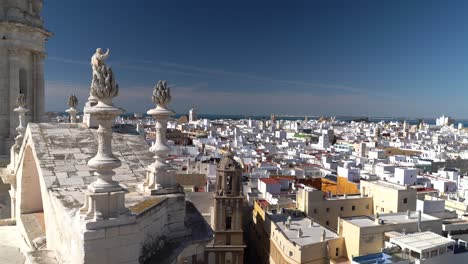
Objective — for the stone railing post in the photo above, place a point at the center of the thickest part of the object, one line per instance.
(21, 110)
(105, 197)
(160, 177)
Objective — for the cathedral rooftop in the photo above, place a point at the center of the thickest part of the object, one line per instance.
(62, 152)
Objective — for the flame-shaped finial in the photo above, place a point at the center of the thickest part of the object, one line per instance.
(162, 94)
(103, 85)
(21, 101)
(72, 101)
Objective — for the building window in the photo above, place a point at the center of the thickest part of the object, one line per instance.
(434, 253)
(228, 217)
(315, 210)
(327, 223)
(341, 208)
(353, 207)
(328, 209)
(442, 251)
(337, 252)
(425, 255)
(382, 210)
(290, 253)
(367, 206)
(405, 200)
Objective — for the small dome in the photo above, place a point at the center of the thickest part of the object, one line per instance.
(228, 163)
(22, 11)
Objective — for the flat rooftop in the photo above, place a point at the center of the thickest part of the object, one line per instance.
(342, 197)
(388, 219)
(311, 233)
(388, 184)
(422, 241)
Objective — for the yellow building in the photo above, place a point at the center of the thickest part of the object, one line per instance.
(340, 187)
(389, 197)
(367, 234)
(326, 210)
(290, 237)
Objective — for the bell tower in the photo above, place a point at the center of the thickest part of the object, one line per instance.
(227, 246)
(22, 49)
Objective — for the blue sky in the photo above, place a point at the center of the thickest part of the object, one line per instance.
(330, 57)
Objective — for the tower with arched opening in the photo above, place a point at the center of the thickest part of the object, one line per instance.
(227, 246)
(22, 49)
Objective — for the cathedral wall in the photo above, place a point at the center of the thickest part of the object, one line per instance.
(4, 102)
(131, 243)
(63, 230)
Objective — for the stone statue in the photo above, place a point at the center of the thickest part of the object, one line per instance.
(97, 60)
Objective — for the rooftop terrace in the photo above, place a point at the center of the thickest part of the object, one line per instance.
(312, 233)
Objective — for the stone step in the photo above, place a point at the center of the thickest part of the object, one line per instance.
(41, 257)
(34, 225)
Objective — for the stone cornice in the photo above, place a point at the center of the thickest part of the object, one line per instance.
(25, 27)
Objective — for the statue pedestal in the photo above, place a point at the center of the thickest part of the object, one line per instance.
(88, 118)
(160, 179)
(103, 205)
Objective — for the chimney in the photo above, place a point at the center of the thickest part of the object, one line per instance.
(324, 235)
(419, 220)
(345, 196)
(300, 233)
(377, 218)
(408, 214)
(311, 223)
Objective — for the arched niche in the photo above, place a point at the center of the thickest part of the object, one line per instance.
(30, 210)
(23, 82)
(31, 198)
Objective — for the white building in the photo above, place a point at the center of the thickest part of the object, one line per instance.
(404, 176)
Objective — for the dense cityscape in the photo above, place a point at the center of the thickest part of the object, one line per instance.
(94, 183)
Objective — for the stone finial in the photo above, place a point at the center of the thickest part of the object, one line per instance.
(21, 110)
(103, 86)
(162, 94)
(160, 178)
(72, 103)
(21, 101)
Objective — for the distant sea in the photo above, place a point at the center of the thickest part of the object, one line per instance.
(410, 120)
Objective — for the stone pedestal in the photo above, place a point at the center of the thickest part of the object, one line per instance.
(21, 127)
(103, 205)
(72, 112)
(105, 197)
(88, 118)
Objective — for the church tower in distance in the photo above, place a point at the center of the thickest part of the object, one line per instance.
(22, 49)
(227, 246)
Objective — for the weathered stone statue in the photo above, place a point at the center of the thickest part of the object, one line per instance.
(97, 60)
(100, 70)
(105, 197)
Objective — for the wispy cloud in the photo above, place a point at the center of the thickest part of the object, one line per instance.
(196, 71)
(187, 95)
